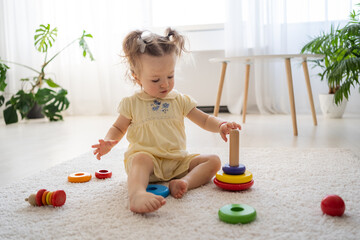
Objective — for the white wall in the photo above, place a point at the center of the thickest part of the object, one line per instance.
(198, 77)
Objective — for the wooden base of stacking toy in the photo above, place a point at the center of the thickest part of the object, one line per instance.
(237, 213)
(158, 190)
(44, 197)
(79, 177)
(102, 174)
(234, 176)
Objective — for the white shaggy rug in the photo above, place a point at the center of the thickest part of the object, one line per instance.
(289, 186)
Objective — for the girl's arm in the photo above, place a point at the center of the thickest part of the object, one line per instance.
(113, 136)
(118, 129)
(211, 123)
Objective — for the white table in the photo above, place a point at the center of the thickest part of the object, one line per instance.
(287, 57)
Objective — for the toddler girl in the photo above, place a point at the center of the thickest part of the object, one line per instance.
(154, 121)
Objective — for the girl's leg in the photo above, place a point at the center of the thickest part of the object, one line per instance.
(202, 168)
(138, 179)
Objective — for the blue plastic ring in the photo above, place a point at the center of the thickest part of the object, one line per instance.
(157, 189)
(238, 170)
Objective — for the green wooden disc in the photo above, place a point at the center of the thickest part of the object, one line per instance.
(237, 213)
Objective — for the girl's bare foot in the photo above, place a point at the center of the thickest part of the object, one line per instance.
(178, 188)
(144, 202)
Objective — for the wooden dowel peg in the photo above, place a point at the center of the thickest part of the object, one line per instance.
(234, 148)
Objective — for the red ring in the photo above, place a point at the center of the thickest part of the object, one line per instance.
(38, 197)
(58, 198)
(101, 174)
(234, 187)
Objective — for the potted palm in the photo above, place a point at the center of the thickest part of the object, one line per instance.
(39, 95)
(340, 65)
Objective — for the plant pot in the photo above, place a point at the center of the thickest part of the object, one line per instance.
(329, 108)
(35, 112)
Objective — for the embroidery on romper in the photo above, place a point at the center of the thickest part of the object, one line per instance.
(165, 107)
(155, 106)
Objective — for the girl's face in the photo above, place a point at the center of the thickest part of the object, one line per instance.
(157, 74)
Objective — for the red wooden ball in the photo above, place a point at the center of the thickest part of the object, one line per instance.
(333, 205)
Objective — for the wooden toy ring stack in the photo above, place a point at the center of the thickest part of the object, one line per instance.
(158, 190)
(44, 197)
(237, 213)
(234, 176)
(102, 174)
(79, 177)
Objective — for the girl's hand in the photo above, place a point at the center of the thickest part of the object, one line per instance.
(225, 128)
(103, 147)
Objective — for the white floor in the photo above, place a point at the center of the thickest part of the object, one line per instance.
(31, 146)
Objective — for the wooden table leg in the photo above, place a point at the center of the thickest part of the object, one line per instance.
(220, 88)
(291, 94)
(247, 77)
(308, 85)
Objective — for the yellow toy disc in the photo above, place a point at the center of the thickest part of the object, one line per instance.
(48, 198)
(79, 177)
(235, 179)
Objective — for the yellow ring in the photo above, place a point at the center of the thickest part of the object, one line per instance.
(79, 177)
(236, 179)
(48, 198)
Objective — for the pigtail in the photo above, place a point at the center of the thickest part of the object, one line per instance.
(130, 45)
(177, 39)
(131, 48)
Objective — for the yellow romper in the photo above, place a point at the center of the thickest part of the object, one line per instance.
(157, 129)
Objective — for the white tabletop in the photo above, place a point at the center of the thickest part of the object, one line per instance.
(253, 57)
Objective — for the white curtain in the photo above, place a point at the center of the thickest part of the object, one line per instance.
(94, 87)
(259, 27)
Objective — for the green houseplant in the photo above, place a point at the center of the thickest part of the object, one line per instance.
(39, 90)
(341, 64)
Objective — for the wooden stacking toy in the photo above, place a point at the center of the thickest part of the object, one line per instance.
(234, 176)
(44, 197)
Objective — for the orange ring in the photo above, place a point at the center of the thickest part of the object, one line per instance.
(79, 177)
(43, 198)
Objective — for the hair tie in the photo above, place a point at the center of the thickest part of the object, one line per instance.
(169, 35)
(145, 38)
(142, 44)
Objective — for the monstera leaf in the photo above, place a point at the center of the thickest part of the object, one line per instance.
(3, 70)
(52, 102)
(22, 102)
(44, 37)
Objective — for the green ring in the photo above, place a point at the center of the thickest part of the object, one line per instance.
(237, 213)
